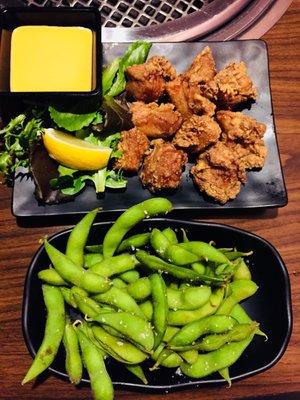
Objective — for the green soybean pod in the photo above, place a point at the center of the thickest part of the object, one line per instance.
(54, 330)
(134, 242)
(135, 329)
(147, 309)
(190, 356)
(73, 358)
(241, 290)
(193, 330)
(170, 235)
(68, 296)
(94, 248)
(205, 251)
(170, 332)
(130, 218)
(125, 350)
(119, 283)
(160, 307)
(78, 238)
(224, 372)
(233, 255)
(76, 275)
(199, 268)
(182, 317)
(120, 299)
(130, 276)
(51, 277)
(216, 360)
(92, 259)
(165, 357)
(101, 384)
(159, 242)
(189, 298)
(242, 271)
(242, 317)
(87, 306)
(140, 289)
(138, 372)
(115, 265)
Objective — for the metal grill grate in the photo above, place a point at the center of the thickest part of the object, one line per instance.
(132, 13)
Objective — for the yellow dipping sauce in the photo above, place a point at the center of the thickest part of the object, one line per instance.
(51, 59)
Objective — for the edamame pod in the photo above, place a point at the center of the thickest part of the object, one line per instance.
(160, 307)
(242, 317)
(94, 248)
(147, 309)
(76, 275)
(241, 290)
(78, 238)
(127, 220)
(156, 264)
(134, 328)
(51, 277)
(140, 289)
(242, 271)
(189, 298)
(92, 259)
(125, 350)
(115, 265)
(170, 235)
(216, 360)
(205, 251)
(120, 299)
(138, 372)
(73, 359)
(130, 276)
(101, 384)
(134, 242)
(182, 317)
(54, 330)
(159, 242)
(193, 330)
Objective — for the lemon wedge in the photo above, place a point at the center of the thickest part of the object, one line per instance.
(75, 153)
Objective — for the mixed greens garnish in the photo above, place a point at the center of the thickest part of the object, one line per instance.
(98, 124)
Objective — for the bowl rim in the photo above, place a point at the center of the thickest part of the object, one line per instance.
(175, 386)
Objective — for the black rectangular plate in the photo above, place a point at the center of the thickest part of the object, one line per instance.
(270, 306)
(263, 188)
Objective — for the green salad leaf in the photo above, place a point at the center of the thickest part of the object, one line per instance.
(72, 120)
(16, 138)
(114, 81)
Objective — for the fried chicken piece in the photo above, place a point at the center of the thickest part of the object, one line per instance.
(187, 98)
(202, 69)
(162, 167)
(133, 145)
(234, 85)
(197, 133)
(147, 81)
(156, 121)
(236, 125)
(222, 184)
(201, 73)
(248, 156)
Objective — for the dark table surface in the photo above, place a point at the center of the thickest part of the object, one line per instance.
(19, 241)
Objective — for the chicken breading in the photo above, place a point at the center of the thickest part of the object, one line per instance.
(220, 183)
(162, 166)
(248, 156)
(234, 85)
(187, 98)
(133, 145)
(236, 125)
(147, 81)
(197, 133)
(156, 121)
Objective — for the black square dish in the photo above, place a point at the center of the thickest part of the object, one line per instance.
(270, 306)
(13, 17)
(264, 188)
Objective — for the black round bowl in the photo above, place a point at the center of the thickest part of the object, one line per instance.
(270, 306)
